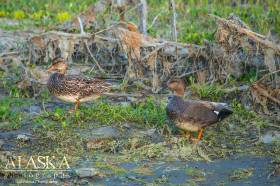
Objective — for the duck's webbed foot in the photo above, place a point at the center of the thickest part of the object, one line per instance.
(199, 136)
(77, 105)
(76, 108)
(200, 133)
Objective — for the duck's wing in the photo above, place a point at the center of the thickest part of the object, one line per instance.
(200, 114)
(86, 86)
(208, 112)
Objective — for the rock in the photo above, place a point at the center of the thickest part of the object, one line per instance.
(270, 137)
(149, 132)
(23, 137)
(10, 135)
(4, 124)
(34, 109)
(1, 143)
(83, 182)
(144, 133)
(101, 133)
(87, 172)
(107, 132)
(126, 125)
(124, 103)
(5, 155)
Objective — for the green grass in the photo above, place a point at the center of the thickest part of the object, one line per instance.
(10, 118)
(241, 174)
(194, 25)
(41, 13)
(275, 151)
(147, 113)
(249, 77)
(192, 21)
(213, 91)
(196, 174)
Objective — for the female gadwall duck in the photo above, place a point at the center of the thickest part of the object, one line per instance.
(74, 88)
(193, 115)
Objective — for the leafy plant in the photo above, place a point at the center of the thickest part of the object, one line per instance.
(19, 14)
(37, 15)
(63, 16)
(211, 91)
(3, 14)
(251, 76)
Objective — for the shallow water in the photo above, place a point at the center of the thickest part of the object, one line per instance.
(217, 172)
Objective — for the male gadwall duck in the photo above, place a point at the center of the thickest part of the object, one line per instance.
(193, 115)
(74, 88)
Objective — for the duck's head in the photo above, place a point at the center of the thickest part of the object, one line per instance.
(58, 65)
(177, 85)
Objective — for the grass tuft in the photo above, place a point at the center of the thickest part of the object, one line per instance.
(9, 117)
(213, 91)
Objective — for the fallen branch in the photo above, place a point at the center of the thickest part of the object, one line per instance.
(267, 75)
(239, 89)
(11, 53)
(91, 55)
(264, 92)
(252, 35)
(271, 125)
(189, 73)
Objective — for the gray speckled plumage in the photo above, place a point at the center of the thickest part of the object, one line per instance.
(76, 88)
(192, 115)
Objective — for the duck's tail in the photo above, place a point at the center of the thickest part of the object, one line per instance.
(224, 112)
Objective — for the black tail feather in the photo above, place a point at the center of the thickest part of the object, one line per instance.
(224, 113)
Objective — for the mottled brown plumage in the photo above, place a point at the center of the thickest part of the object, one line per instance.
(74, 89)
(193, 115)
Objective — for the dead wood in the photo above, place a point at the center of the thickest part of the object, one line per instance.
(237, 89)
(261, 91)
(252, 35)
(145, 57)
(143, 54)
